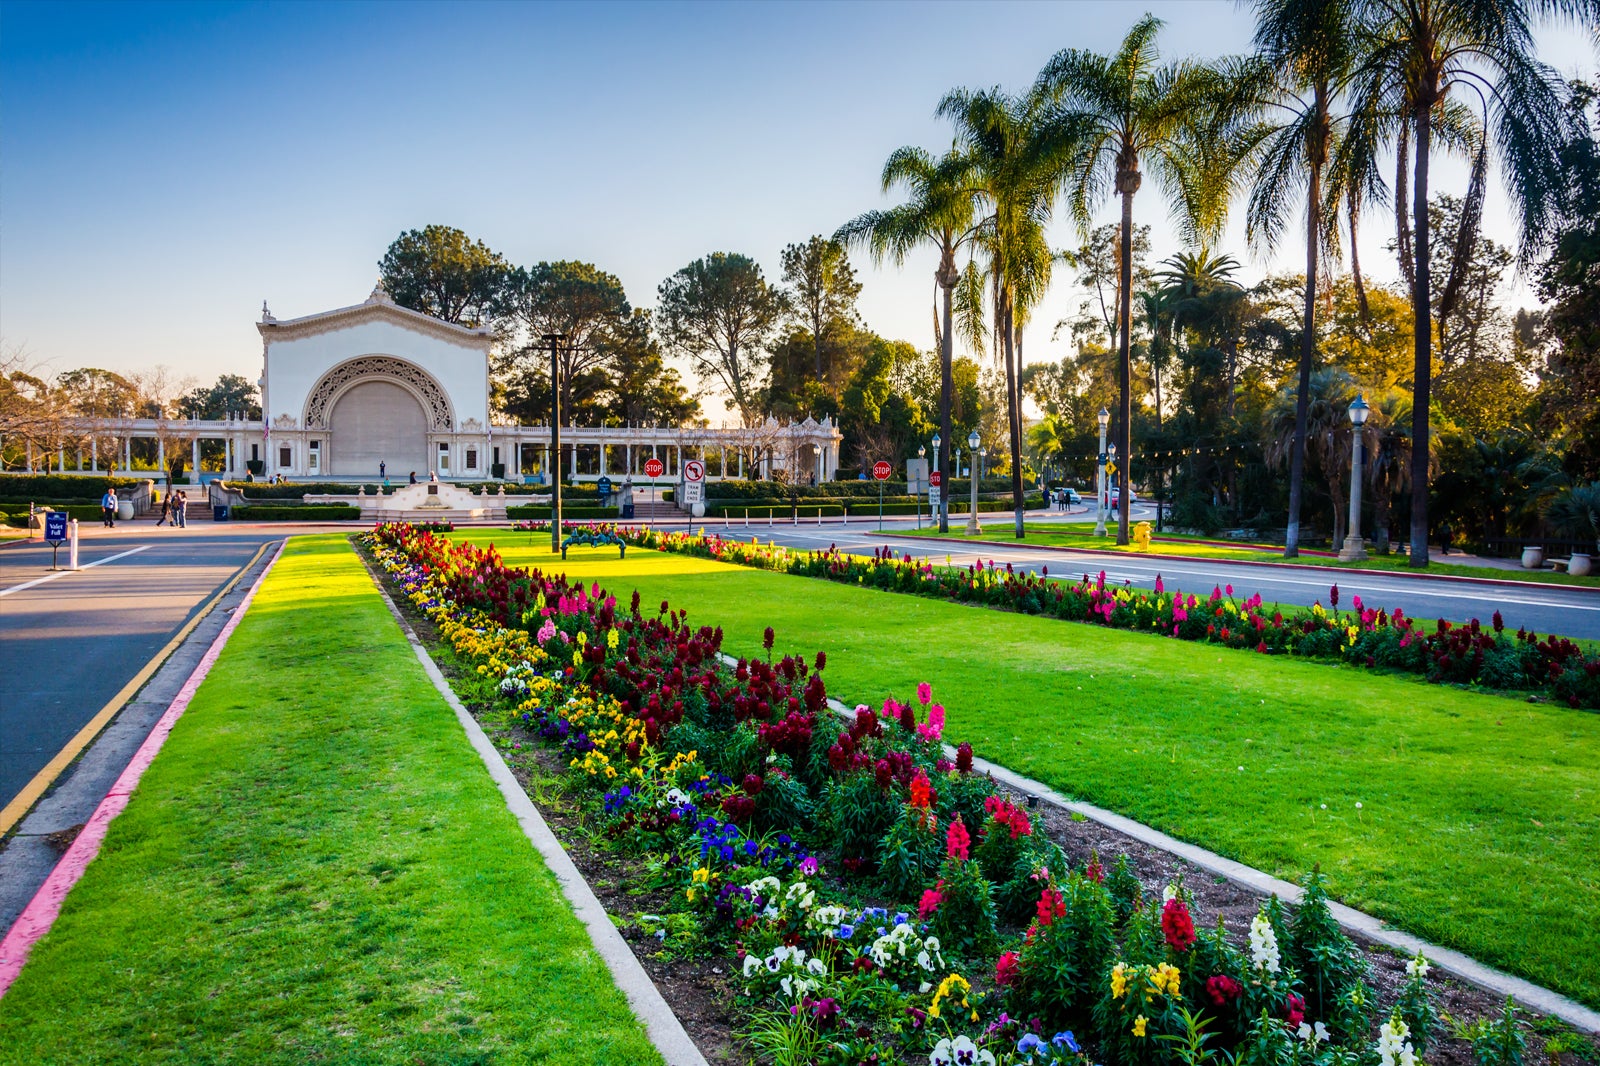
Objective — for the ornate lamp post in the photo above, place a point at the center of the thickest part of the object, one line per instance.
(1355, 548)
(554, 339)
(921, 453)
(944, 507)
(1104, 418)
(972, 476)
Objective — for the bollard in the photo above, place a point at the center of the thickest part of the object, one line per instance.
(72, 544)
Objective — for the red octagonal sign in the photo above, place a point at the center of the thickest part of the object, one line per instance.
(881, 470)
(935, 479)
(654, 467)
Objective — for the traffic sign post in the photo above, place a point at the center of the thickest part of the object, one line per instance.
(881, 470)
(55, 534)
(653, 468)
(935, 480)
(694, 485)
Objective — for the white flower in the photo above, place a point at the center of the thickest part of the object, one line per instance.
(924, 959)
(1263, 944)
(1169, 894)
(960, 1050)
(1315, 1034)
(751, 965)
(1393, 1047)
(765, 887)
(1417, 967)
(816, 966)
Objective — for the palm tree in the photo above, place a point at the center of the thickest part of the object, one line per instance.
(1306, 55)
(1015, 157)
(1414, 55)
(1127, 111)
(940, 212)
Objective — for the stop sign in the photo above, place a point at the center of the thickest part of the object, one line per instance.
(936, 479)
(654, 467)
(881, 470)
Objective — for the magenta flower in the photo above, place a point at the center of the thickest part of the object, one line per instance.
(924, 693)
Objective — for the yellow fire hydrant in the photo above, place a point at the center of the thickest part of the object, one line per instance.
(1141, 536)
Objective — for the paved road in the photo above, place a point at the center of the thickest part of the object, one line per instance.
(69, 644)
(1571, 612)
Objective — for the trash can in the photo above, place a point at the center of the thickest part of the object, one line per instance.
(627, 507)
(219, 512)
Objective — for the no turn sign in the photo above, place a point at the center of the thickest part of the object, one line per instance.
(694, 470)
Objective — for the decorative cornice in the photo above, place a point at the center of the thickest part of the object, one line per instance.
(377, 308)
(284, 421)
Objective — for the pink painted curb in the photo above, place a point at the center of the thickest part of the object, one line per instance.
(42, 911)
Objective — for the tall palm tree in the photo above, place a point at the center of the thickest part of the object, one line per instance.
(1306, 59)
(939, 212)
(1415, 54)
(1128, 111)
(1015, 157)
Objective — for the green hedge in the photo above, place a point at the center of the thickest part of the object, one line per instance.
(83, 512)
(576, 511)
(833, 490)
(783, 512)
(321, 512)
(61, 486)
(260, 490)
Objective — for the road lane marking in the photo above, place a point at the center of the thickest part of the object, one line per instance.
(64, 573)
(24, 800)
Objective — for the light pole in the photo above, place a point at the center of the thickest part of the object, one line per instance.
(944, 508)
(972, 477)
(921, 453)
(1355, 548)
(1104, 418)
(555, 339)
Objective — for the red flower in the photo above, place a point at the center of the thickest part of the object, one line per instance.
(1094, 871)
(1005, 970)
(1223, 989)
(1050, 906)
(957, 840)
(930, 903)
(1176, 924)
(964, 757)
(921, 790)
(1294, 1011)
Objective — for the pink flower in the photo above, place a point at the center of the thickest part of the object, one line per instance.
(1005, 970)
(935, 724)
(930, 903)
(1229, 590)
(924, 693)
(957, 841)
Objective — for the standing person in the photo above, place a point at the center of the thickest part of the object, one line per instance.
(108, 508)
(180, 510)
(432, 477)
(413, 477)
(383, 470)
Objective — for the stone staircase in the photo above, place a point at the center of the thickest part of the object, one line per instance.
(655, 511)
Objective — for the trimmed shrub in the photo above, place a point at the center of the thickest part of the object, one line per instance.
(27, 487)
(320, 512)
(534, 510)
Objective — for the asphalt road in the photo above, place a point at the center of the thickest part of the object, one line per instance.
(70, 643)
(1568, 611)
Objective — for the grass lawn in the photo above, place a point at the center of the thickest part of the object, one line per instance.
(1478, 813)
(1069, 535)
(317, 868)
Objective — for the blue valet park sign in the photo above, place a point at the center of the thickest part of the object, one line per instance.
(58, 531)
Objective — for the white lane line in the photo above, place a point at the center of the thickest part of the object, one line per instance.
(64, 573)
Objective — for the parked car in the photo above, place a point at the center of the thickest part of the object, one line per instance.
(1116, 498)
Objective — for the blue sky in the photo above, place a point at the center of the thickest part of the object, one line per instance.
(167, 167)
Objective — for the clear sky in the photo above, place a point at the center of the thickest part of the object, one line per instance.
(165, 168)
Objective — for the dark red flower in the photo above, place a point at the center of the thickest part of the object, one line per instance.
(1223, 989)
(1176, 924)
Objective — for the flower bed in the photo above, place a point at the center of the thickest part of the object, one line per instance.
(881, 902)
(1469, 653)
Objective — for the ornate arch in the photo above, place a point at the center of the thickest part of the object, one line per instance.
(383, 368)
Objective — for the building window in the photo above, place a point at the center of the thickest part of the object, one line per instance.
(472, 458)
(285, 457)
(255, 453)
(444, 458)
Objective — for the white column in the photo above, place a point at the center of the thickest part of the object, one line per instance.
(79, 467)
(194, 467)
(127, 453)
(94, 456)
(161, 453)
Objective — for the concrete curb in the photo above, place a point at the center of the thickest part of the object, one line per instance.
(666, 1032)
(1375, 929)
(40, 914)
(1501, 581)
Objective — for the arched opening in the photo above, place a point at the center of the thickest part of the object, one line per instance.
(373, 422)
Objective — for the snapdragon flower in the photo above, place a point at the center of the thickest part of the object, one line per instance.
(1263, 945)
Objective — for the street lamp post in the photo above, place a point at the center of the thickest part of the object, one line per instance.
(1104, 418)
(555, 339)
(1355, 548)
(972, 476)
(944, 506)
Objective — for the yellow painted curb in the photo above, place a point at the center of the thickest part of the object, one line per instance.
(24, 800)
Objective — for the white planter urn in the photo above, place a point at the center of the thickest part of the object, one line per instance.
(1532, 557)
(1580, 566)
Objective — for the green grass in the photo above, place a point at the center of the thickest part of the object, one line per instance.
(1479, 813)
(1080, 535)
(317, 868)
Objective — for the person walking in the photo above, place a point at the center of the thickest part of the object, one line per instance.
(413, 477)
(108, 508)
(166, 509)
(383, 471)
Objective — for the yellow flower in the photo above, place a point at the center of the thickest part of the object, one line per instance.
(1138, 1025)
(583, 639)
(1119, 981)
(701, 875)
(1165, 980)
(947, 990)
(611, 638)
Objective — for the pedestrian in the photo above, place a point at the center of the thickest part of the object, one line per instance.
(1446, 534)
(108, 508)
(166, 509)
(383, 469)
(432, 477)
(180, 511)
(413, 477)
